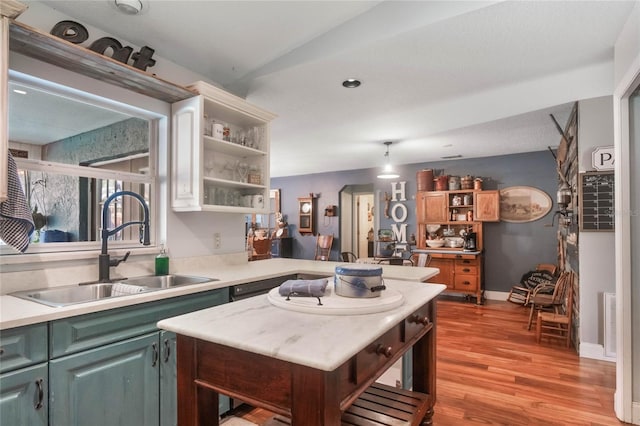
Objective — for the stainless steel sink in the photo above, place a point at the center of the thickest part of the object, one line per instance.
(83, 293)
(167, 281)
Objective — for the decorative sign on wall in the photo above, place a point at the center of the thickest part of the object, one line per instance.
(602, 158)
(597, 191)
(399, 211)
(523, 204)
(76, 33)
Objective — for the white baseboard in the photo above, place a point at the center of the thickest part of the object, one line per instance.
(594, 351)
(496, 295)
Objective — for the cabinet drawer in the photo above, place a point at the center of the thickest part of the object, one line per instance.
(23, 346)
(415, 323)
(79, 333)
(466, 282)
(463, 260)
(373, 357)
(466, 269)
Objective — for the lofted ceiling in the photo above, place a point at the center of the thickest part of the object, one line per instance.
(439, 78)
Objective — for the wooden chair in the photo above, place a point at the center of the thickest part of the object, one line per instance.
(540, 300)
(348, 256)
(549, 267)
(323, 247)
(557, 325)
(420, 259)
(521, 294)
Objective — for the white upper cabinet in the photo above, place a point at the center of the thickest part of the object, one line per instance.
(220, 153)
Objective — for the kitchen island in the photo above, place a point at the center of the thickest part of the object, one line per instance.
(309, 367)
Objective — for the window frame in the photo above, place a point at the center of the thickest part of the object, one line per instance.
(158, 126)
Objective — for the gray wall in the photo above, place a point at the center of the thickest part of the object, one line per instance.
(597, 249)
(634, 151)
(511, 248)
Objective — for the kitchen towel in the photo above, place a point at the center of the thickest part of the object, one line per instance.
(121, 289)
(311, 288)
(16, 222)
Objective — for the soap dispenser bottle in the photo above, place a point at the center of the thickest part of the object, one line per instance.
(162, 262)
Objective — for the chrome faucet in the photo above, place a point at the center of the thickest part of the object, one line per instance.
(104, 261)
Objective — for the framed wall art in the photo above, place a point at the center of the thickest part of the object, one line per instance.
(523, 204)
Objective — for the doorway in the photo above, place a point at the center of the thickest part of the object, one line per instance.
(357, 219)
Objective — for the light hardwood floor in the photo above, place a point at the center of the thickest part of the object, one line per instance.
(491, 371)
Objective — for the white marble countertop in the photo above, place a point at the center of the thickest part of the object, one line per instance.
(318, 341)
(16, 312)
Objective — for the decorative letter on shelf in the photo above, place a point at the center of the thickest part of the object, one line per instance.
(76, 33)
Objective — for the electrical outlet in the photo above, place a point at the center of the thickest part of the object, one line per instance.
(216, 240)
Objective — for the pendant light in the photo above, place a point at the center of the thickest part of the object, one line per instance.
(387, 171)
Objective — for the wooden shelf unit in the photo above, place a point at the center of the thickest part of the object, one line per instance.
(460, 272)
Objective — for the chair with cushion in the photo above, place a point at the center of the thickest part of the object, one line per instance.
(557, 325)
(541, 300)
(543, 274)
(323, 247)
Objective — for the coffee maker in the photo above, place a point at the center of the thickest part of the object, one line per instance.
(469, 241)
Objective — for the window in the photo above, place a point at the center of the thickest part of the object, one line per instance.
(73, 150)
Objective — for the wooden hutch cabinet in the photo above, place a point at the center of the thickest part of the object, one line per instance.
(457, 211)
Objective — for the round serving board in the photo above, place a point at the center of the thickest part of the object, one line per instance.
(333, 304)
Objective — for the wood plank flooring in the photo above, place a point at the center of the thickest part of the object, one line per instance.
(491, 371)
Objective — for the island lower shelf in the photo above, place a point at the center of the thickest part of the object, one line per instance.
(386, 404)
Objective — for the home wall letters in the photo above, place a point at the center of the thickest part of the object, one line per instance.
(399, 211)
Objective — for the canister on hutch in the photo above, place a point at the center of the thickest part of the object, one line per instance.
(477, 184)
(454, 183)
(441, 183)
(466, 182)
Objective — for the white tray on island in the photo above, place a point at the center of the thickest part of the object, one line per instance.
(333, 304)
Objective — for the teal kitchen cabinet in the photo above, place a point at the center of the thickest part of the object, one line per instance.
(117, 366)
(116, 384)
(23, 375)
(23, 396)
(111, 367)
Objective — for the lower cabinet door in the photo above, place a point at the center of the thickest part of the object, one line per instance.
(116, 384)
(23, 400)
(168, 380)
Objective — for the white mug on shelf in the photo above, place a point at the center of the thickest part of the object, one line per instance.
(218, 130)
(258, 201)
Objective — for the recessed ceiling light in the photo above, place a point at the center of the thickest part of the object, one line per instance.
(129, 7)
(351, 83)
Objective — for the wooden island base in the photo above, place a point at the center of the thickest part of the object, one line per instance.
(308, 396)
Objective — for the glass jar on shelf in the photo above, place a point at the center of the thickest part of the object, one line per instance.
(208, 126)
(226, 132)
